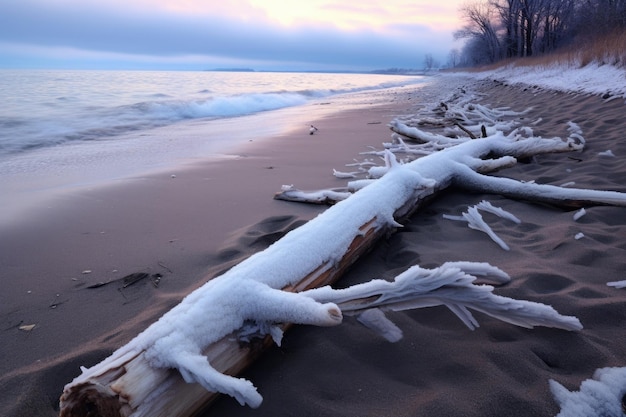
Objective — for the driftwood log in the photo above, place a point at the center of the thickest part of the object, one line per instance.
(129, 384)
(134, 388)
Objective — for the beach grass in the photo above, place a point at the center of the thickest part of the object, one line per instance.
(607, 49)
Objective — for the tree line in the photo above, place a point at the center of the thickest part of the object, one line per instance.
(498, 29)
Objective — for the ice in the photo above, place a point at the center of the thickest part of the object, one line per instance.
(248, 299)
(580, 213)
(487, 206)
(475, 220)
(451, 285)
(340, 174)
(375, 320)
(600, 396)
(289, 192)
(617, 284)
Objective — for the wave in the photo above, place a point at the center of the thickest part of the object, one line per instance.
(217, 107)
(88, 123)
(245, 104)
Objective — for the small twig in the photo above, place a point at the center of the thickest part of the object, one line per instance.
(162, 265)
(55, 303)
(131, 279)
(464, 129)
(100, 284)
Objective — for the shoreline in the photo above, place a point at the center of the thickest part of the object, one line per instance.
(212, 215)
(38, 178)
(177, 227)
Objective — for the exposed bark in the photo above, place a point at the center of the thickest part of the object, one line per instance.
(470, 134)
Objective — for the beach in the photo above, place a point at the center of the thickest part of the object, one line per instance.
(62, 266)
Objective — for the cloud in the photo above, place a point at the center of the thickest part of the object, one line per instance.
(159, 33)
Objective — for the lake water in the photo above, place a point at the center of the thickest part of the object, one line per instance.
(50, 108)
(71, 128)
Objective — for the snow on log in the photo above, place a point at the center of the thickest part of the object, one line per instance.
(196, 338)
(178, 364)
(253, 291)
(289, 193)
(464, 166)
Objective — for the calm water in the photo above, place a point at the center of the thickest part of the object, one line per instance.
(51, 108)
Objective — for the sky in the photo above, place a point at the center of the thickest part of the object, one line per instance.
(207, 34)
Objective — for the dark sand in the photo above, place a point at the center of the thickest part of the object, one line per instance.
(212, 215)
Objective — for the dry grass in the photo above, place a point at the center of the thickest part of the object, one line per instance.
(610, 50)
(603, 50)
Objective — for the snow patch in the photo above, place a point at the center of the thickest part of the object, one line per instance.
(580, 213)
(592, 79)
(617, 284)
(600, 396)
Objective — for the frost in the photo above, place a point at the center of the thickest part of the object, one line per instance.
(600, 396)
(249, 301)
(579, 235)
(451, 285)
(608, 153)
(475, 220)
(289, 192)
(575, 132)
(487, 206)
(591, 79)
(375, 320)
(340, 174)
(617, 284)
(579, 214)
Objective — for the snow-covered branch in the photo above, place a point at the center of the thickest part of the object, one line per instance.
(289, 193)
(451, 285)
(475, 220)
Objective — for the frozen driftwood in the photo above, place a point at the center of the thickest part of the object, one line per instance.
(176, 366)
(463, 165)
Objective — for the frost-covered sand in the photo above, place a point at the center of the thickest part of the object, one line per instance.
(211, 216)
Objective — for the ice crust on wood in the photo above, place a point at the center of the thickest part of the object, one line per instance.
(475, 220)
(451, 285)
(249, 298)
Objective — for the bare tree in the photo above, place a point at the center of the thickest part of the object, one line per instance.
(509, 12)
(497, 29)
(454, 58)
(429, 62)
(479, 16)
(557, 23)
(596, 17)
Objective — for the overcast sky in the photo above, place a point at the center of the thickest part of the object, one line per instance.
(205, 34)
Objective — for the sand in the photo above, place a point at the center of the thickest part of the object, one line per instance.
(211, 215)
